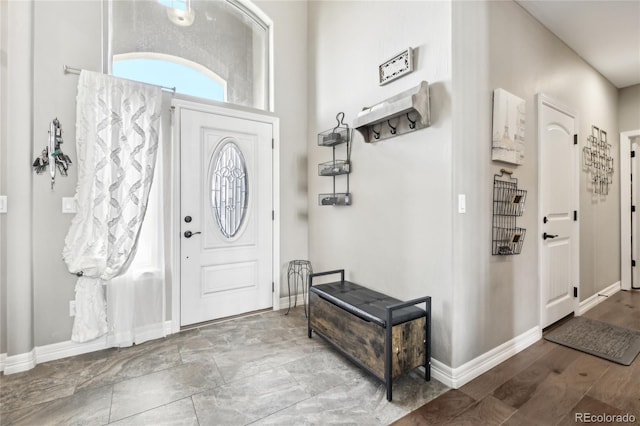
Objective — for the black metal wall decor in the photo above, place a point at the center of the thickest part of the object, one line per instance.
(597, 161)
(52, 157)
(508, 204)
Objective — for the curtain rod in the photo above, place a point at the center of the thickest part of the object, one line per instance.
(71, 70)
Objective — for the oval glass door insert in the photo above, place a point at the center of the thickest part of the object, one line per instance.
(229, 188)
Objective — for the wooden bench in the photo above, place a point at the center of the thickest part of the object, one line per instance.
(381, 334)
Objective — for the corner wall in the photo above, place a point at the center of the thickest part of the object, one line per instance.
(499, 45)
(396, 236)
(3, 176)
(17, 135)
(629, 108)
(291, 103)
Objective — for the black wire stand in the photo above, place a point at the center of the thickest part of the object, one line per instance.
(298, 274)
(508, 204)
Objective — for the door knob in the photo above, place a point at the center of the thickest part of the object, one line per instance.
(189, 234)
(545, 236)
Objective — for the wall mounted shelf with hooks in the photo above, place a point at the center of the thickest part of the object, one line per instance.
(402, 113)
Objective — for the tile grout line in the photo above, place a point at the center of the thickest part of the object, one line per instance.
(111, 403)
(154, 408)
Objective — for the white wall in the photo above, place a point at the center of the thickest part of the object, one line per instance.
(74, 38)
(396, 236)
(629, 108)
(499, 45)
(290, 88)
(39, 287)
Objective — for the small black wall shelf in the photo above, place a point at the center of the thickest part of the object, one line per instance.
(339, 135)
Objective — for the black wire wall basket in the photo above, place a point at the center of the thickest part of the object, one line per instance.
(508, 204)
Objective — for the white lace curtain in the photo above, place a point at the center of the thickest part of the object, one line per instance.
(117, 133)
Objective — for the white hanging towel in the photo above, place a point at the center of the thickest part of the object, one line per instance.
(117, 140)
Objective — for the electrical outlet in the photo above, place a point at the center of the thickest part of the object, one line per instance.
(72, 308)
(3, 203)
(69, 205)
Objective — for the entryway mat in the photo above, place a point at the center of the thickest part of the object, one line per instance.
(617, 344)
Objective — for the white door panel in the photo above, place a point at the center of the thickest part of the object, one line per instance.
(558, 198)
(635, 201)
(226, 201)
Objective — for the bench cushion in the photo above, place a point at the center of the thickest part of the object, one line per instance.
(365, 303)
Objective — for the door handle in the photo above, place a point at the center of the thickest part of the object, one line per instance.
(545, 236)
(189, 234)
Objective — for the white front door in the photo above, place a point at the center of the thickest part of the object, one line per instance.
(635, 203)
(558, 200)
(225, 215)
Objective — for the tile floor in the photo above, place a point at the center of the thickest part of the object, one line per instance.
(260, 369)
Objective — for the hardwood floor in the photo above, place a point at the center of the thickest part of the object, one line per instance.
(546, 384)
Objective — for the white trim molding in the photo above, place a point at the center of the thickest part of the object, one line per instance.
(18, 363)
(23, 362)
(459, 376)
(598, 298)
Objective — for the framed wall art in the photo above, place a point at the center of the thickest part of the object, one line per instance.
(508, 142)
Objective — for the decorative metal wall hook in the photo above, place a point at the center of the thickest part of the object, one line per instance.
(392, 130)
(376, 133)
(412, 123)
(340, 119)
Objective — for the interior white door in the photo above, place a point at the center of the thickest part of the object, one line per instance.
(635, 203)
(558, 200)
(226, 216)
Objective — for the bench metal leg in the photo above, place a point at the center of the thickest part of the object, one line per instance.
(427, 342)
(388, 360)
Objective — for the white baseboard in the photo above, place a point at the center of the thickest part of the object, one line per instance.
(284, 301)
(441, 372)
(457, 377)
(598, 298)
(40, 354)
(20, 362)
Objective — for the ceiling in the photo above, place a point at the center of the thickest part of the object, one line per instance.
(604, 33)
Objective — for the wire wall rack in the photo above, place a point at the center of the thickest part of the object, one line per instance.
(338, 135)
(508, 204)
(598, 161)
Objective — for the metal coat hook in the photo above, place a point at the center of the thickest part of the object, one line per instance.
(376, 134)
(393, 130)
(506, 171)
(412, 123)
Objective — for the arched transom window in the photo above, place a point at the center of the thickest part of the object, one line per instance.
(213, 49)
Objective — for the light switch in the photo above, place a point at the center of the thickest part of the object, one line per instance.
(69, 205)
(462, 203)
(3, 203)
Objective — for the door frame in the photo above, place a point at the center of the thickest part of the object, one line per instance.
(234, 111)
(625, 207)
(543, 99)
